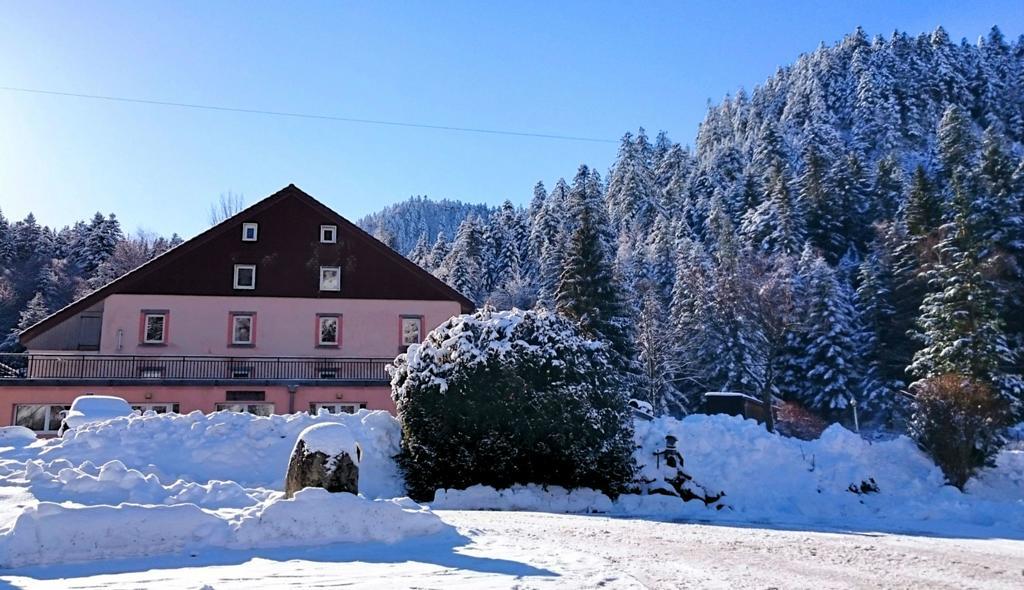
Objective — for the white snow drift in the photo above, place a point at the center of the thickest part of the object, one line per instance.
(55, 533)
(145, 485)
(250, 450)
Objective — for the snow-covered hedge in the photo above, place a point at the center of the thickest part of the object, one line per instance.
(507, 397)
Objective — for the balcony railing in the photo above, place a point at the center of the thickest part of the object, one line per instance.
(76, 367)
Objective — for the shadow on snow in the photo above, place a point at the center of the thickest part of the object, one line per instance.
(440, 549)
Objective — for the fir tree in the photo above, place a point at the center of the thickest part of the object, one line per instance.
(776, 226)
(829, 341)
(589, 293)
(421, 252)
(960, 326)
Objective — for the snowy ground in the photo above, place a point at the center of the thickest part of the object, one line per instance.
(535, 550)
(194, 501)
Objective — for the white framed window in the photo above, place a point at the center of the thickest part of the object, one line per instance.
(328, 330)
(247, 408)
(159, 408)
(328, 234)
(44, 418)
(245, 276)
(243, 329)
(412, 327)
(330, 278)
(335, 407)
(154, 327)
(250, 231)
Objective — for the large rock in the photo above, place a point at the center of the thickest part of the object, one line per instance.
(325, 456)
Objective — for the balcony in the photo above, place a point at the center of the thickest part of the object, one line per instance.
(28, 368)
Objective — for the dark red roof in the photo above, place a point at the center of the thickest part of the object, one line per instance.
(288, 255)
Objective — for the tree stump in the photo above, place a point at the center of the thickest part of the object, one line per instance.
(325, 456)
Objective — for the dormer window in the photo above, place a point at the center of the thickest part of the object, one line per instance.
(328, 234)
(330, 278)
(250, 231)
(245, 276)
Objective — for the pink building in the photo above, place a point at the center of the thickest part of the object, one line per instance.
(284, 307)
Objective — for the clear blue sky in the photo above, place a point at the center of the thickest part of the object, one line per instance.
(590, 69)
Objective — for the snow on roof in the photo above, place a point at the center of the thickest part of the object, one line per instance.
(731, 394)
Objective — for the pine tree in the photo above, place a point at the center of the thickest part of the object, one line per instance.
(957, 144)
(923, 211)
(462, 268)
(552, 233)
(421, 252)
(889, 188)
(438, 252)
(631, 196)
(776, 226)
(589, 292)
(883, 359)
(960, 325)
(689, 309)
(828, 340)
(34, 312)
(657, 356)
(6, 244)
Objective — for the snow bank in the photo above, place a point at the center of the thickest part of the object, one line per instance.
(1003, 482)
(316, 515)
(55, 533)
(16, 436)
(776, 479)
(113, 483)
(252, 451)
(767, 477)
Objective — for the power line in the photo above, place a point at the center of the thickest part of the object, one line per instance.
(168, 103)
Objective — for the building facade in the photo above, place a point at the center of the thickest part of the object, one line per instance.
(284, 307)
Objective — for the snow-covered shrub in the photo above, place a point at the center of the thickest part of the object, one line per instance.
(958, 422)
(511, 397)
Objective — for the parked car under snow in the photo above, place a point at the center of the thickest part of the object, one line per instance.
(87, 409)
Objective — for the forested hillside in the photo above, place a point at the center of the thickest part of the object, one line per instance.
(42, 270)
(401, 225)
(849, 227)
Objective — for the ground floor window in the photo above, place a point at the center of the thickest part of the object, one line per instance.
(335, 407)
(159, 408)
(40, 417)
(257, 409)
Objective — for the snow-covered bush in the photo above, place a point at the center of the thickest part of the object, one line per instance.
(511, 397)
(958, 422)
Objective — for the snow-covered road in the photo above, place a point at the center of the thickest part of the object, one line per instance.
(536, 550)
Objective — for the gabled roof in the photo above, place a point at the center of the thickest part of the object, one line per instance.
(202, 265)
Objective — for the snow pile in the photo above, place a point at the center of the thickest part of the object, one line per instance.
(17, 436)
(767, 477)
(113, 483)
(1005, 481)
(252, 451)
(316, 515)
(96, 408)
(772, 478)
(55, 533)
(531, 497)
